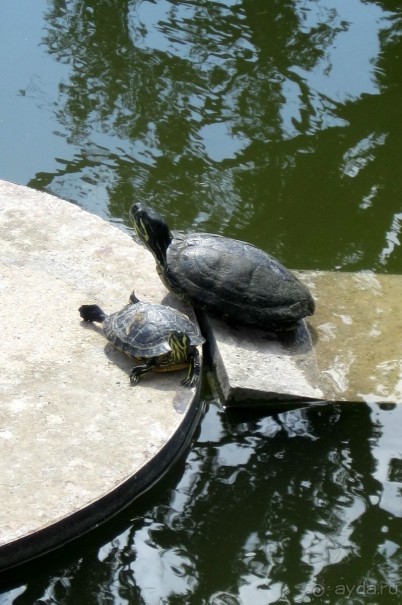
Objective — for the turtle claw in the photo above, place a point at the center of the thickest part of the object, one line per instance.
(134, 377)
(137, 372)
(189, 381)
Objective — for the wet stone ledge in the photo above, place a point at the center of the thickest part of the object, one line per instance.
(350, 350)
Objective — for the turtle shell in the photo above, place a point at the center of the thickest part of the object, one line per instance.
(142, 330)
(235, 280)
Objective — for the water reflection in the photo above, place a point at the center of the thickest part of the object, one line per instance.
(298, 521)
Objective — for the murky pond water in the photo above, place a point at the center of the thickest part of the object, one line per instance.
(278, 122)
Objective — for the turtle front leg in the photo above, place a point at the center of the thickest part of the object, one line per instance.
(139, 371)
(194, 370)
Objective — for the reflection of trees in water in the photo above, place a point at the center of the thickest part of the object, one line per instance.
(219, 115)
(184, 107)
(373, 147)
(267, 508)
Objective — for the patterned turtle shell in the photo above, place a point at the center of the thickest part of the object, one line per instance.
(142, 330)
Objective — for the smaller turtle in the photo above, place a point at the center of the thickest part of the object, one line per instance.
(157, 337)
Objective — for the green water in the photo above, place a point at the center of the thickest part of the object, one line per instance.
(274, 121)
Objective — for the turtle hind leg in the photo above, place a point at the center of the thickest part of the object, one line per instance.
(92, 313)
(194, 370)
(140, 370)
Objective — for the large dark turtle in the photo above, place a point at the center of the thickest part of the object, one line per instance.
(157, 337)
(225, 277)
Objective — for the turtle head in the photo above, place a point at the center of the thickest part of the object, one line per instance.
(180, 345)
(152, 230)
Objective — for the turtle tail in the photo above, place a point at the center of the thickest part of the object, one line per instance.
(92, 313)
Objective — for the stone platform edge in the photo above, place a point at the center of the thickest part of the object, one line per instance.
(22, 550)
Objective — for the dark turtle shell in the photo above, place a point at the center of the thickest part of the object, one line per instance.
(236, 281)
(142, 330)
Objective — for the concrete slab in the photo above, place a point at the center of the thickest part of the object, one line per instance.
(250, 366)
(76, 441)
(356, 335)
(348, 351)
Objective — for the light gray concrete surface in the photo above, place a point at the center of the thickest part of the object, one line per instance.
(250, 365)
(350, 350)
(76, 440)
